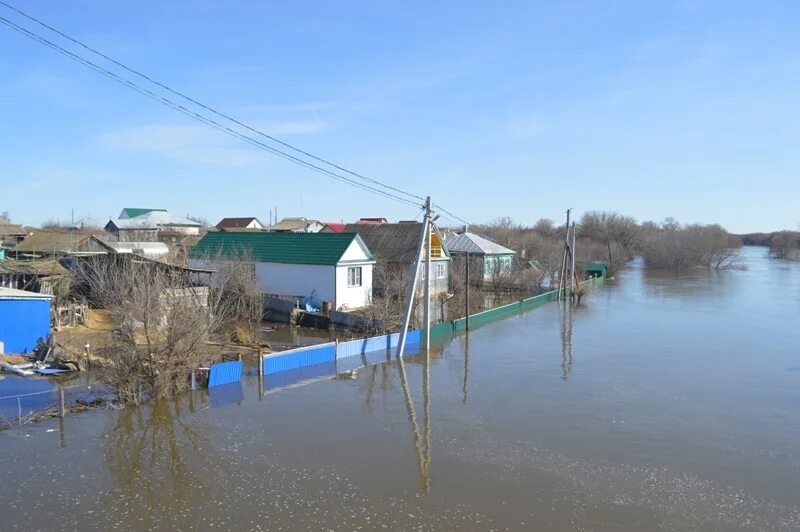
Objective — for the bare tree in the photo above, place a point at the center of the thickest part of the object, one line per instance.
(673, 246)
(612, 230)
(162, 322)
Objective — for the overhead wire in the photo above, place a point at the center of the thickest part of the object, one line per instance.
(194, 115)
(204, 119)
(206, 107)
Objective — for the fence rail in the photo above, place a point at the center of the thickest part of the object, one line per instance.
(46, 398)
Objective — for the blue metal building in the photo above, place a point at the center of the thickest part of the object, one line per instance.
(24, 318)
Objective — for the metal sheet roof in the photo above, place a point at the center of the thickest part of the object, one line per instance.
(154, 220)
(133, 212)
(286, 248)
(472, 243)
(13, 293)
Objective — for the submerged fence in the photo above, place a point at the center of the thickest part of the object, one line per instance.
(460, 324)
(286, 368)
(25, 399)
(329, 359)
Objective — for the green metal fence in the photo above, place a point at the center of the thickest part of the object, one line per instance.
(460, 324)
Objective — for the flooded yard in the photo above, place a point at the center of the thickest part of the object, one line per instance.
(665, 402)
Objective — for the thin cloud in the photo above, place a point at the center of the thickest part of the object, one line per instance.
(199, 144)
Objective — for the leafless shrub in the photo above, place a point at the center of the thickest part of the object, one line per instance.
(616, 232)
(386, 303)
(785, 244)
(161, 321)
(673, 246)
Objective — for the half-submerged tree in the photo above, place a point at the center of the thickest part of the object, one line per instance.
(161, 321)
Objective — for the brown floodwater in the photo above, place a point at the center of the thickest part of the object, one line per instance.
(668, 401)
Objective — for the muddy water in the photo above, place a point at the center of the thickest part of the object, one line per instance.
(666, 402)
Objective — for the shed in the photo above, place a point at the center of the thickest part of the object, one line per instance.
(318, 267)
(24, 318)
(594, 269)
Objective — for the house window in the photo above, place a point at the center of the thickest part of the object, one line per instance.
(441, 271)
(354, 276)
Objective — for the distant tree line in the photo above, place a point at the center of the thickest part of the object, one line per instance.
(615, 239)
(782, 244)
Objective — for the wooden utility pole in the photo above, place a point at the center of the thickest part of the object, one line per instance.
(562, 285)
(573, 278)
(412, 287)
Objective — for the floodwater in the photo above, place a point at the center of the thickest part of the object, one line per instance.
(665, 402)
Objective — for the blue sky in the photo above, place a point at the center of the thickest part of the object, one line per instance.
(521, 109)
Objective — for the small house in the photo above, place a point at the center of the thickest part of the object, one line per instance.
(396, 245)
(55, 244)
(24, 318)
(488, 259)
(297, 225)
(250, 222)
(333, 227)
(317, 267)
(372, 221)
(151, 225)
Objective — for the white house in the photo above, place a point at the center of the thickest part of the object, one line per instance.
(297, 225)
(148, 226)
(319, 267)
(249, 222)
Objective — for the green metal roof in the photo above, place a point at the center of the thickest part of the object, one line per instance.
(286, 248)
(593, 266)
(133, 212)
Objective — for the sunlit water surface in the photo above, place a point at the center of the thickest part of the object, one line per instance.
(665, 402)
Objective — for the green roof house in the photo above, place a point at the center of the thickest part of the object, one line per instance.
(334, 267)
(133, 212)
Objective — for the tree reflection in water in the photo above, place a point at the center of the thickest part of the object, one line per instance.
(148, 455)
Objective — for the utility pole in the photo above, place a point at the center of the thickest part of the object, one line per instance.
(428, 238)
(573, 278)
(412, 287)
(562, 285)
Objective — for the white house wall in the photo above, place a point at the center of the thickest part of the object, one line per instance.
(297, 280)
(352, 297)
(355, 252)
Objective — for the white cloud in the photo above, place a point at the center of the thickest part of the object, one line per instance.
(198, 144)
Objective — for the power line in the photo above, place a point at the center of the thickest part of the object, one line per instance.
(195, 115)
(206, 107)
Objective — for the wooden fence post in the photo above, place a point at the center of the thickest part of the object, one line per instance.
(61, 404)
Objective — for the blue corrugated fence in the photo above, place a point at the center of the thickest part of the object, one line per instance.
(225, 373)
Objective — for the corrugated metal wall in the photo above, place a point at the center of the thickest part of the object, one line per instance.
(225, 373)
(298, 358)
(289, 367)
(22, 322)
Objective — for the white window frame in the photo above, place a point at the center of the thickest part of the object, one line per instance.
(352, 273)
(441, 270)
